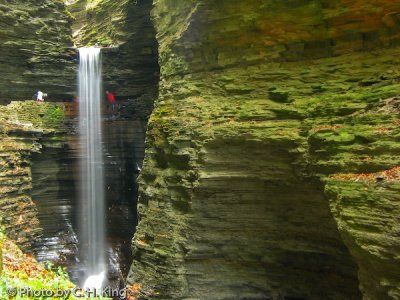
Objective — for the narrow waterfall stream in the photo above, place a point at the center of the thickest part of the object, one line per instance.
(56, 174)
(85, 187)
(92, 214)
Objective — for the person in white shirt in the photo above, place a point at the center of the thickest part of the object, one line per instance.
(39, 97)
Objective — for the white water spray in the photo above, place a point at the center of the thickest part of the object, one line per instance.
(92, 225)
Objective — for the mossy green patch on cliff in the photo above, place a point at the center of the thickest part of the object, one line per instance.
(101, 22)
(367, 217)
(34, 115)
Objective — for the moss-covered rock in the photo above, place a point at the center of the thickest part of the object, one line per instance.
(259, 103)
(35, 41)
(367, 217)
(23, 124)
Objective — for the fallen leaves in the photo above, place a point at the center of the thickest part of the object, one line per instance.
(136, 292)
(20, 220)
(133, 291)
(15, 262)
(141, 243)
(327, 127)
(383, 130)
(391, 175)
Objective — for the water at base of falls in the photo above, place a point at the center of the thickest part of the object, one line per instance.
(92, 207)
(56, 179)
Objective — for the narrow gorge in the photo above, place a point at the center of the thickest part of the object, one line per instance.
(254, 155)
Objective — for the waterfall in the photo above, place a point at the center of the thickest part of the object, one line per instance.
(92, 211)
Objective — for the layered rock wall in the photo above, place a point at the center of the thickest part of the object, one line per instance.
(124, 28)
(23, 124)
(263, 106)
(35, 41)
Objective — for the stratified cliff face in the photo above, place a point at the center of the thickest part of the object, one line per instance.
(22, 127)
(264, 108)
(35, 41)
(130, 67)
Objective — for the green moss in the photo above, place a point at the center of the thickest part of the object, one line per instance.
(53, 117)
(39, 115)
(102, 22)
(267, 97)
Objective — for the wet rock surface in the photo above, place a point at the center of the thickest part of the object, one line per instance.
(39, 159)
(55, 173)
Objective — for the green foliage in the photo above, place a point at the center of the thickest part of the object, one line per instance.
(2, 237)
(19, 280)
(53, 116)
(13, 280)
(29, 276)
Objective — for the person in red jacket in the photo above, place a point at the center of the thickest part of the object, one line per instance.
(111, 100)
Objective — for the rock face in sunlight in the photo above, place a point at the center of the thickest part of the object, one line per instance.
(263, 108)
(34, 45)
(22, 127)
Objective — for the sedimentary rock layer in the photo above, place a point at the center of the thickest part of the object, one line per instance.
(261, 105)
(130, 63)
(35, 41)
(21, 128)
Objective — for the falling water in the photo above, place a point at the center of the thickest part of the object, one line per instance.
(92, 231)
